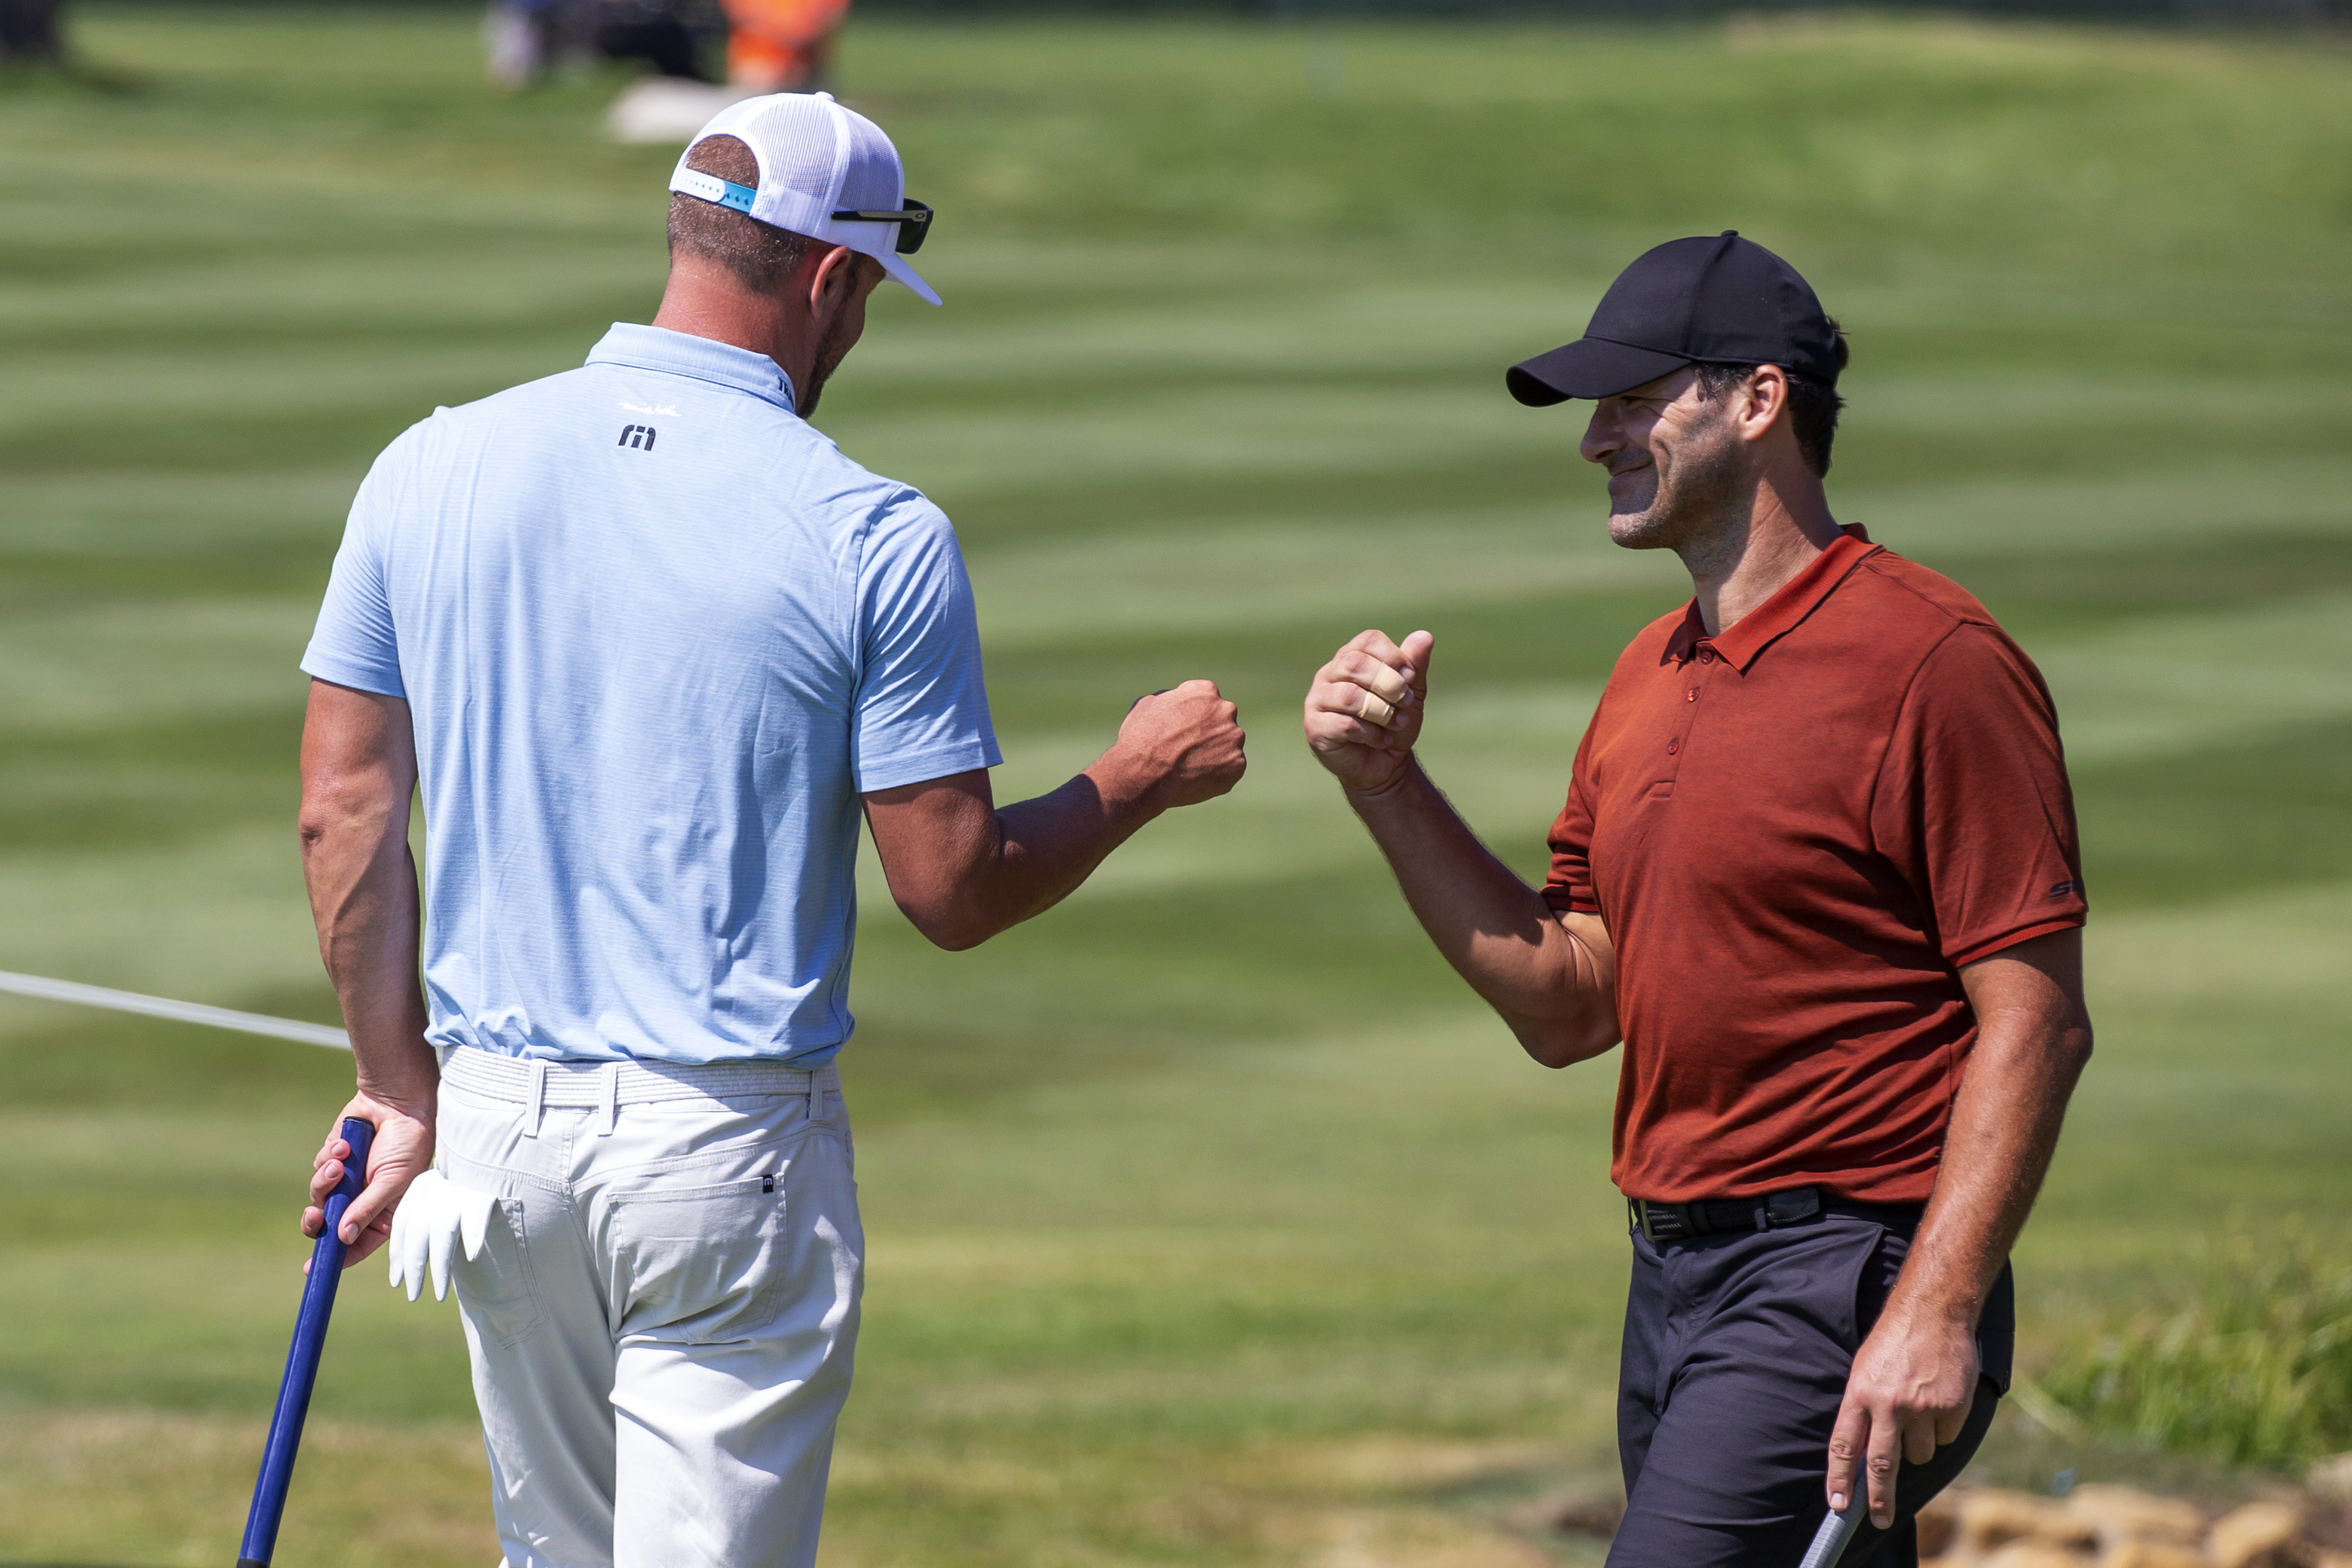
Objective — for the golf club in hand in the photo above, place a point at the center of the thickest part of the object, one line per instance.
(1830, 1540)
(302, 1359)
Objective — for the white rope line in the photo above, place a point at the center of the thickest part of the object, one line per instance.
(164, 1007)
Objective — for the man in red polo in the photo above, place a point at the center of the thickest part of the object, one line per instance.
(1818, 870)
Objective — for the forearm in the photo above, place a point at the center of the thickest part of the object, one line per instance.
(1045, 847)
(963, 870)
(2005, 1124)
(359, 770)
(1553, 988)
(362, 886)
(2004, 1129)
(1915, 1379)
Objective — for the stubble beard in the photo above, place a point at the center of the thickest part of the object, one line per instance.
(830, 351)
(1695, 509)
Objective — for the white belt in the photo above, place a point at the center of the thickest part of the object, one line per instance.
(609, 1085)
(436, 1216)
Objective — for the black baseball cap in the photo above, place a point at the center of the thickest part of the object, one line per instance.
(1721, 298)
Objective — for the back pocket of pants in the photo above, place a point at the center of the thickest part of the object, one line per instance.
(699, 1265)
(495, 1287)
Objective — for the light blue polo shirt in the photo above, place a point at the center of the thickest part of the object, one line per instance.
(657, 635)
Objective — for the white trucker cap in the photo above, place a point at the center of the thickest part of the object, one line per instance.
(825, 172)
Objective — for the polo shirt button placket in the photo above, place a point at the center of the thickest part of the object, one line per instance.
(1663, 788)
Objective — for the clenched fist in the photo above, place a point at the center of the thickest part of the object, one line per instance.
(1364, 710)
(1184, 744)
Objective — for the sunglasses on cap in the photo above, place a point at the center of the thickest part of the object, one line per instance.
(914, 222)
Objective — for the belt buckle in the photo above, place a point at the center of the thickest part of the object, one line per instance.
(1654, 1226)
(1792, 1203)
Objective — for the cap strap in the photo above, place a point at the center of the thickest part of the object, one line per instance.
(711, 188)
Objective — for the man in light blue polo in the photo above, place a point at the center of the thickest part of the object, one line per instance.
(650, 644)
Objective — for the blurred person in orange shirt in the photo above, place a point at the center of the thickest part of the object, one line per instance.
(782, 46)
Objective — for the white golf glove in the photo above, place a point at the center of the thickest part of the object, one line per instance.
(432, 1216)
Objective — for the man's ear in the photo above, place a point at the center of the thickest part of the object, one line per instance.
(1763, 396)
(833, 280)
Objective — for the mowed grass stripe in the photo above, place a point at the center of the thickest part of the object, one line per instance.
(214, 917)
(2182, 682)
(1266, 570)
(2162, 505)
(1267, 573)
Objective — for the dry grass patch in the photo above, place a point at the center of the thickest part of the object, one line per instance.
(1412, 1538)
(148, 1487)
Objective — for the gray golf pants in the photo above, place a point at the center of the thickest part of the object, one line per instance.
(663, 1314)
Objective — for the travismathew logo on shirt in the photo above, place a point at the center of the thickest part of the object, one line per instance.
(638, 436)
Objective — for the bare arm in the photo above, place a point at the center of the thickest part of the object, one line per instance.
(1552, 978)
(1916, 1376)
(359, 770)
(963, 870)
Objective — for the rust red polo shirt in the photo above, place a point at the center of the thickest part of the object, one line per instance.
(1798, 831)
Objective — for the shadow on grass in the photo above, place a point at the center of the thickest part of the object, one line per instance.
(70, 77)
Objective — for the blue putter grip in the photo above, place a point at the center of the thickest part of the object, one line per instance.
(302, 1360)
(1836, 1531)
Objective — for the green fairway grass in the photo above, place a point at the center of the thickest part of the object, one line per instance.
(1211, 1222)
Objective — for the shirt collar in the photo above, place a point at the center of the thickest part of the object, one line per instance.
(704, 359)
(1740, 642)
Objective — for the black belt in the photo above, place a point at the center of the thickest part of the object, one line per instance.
(1766, 1212)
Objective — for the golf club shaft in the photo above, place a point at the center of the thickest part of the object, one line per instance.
(179, 1013)
(302, 1360)
(1829, 1541)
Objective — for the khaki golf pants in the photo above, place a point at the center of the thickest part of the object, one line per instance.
(663, 1314)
